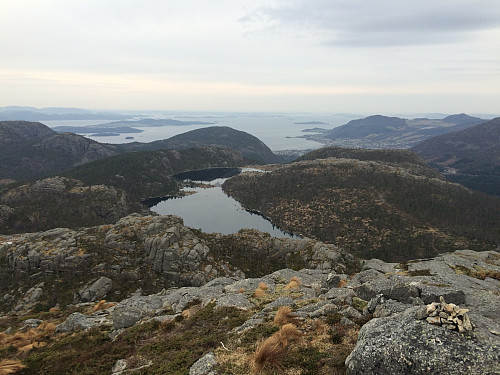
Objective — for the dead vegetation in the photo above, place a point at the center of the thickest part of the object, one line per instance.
(10, 366)
(294, 283)
(284, 316)
(270, 353)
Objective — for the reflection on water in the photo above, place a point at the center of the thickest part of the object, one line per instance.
(211, 210)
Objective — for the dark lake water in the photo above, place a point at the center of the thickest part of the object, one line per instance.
(211, 210)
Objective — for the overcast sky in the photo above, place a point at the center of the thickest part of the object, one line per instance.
(356, 56)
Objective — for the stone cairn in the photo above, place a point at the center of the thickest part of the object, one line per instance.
(448, 315)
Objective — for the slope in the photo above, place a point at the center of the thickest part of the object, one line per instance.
(148, 174)
(470, 157)
(31, 150)
(372, 208)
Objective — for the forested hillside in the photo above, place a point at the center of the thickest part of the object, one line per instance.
(372, 208)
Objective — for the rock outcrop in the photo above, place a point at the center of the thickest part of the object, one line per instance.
(404, 339)
(395, 308)
(148, 252)
(397, 338)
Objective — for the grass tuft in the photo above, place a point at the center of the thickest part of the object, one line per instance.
(269, 354)
(294, 283)
(284, 315)
(10, 366)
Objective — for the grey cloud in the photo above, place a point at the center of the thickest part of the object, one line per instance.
(383, 22)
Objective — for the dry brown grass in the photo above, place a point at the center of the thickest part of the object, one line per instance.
(188, 313)
(288, 333)
(10, 366)
(28, 347)
(284, 315)
(342, 283)
(31, 338)
(294, 283)
(270, 352)
(47, 328)
(54, 310)
(242, 290)
(103, 305)
(263, 286)
(259, 293)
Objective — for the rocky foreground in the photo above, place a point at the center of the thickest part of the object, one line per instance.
(439, 315)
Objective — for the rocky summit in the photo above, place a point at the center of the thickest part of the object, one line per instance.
(312, 313)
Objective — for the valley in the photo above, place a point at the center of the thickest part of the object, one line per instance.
(86, 266)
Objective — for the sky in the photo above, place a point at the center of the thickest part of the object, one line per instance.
(332, 56)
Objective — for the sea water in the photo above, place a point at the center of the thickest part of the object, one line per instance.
(279, 131)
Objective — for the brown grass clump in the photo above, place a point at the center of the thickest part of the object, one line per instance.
(26, 340)
(260, 292)
(342, 283)
(270, 352)
(242, 290)
(287, 333)
(293, 285)
(284, 315)
(47, 328)
(103, 305)
(193, 310)
(10, 366)
(54, 310)
(28, 347)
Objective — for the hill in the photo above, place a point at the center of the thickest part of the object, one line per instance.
(61, 202)
(470, 157)
(372, 208)
(31, 150)
(148, 174)
(391, 132)
(249, 146)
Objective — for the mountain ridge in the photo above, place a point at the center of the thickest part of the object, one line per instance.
(470, 156)
(380, 131)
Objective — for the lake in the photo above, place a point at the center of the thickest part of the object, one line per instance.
(212, 211)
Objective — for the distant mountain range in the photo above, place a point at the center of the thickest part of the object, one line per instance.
(470, 157)
(390, 132)
(15, 113)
